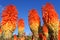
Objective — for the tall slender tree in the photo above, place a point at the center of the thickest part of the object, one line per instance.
(50, 18)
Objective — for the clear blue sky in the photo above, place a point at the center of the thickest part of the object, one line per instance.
(23, 6)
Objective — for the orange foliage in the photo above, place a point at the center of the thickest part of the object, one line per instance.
(9, 17)
(59, 32)
(10, 13)
(59, 35)
(20, 26)
(59, 25)
(45, 29)
(50, 16)
(15, 37)
(33, 17)
(0, 31)
(21, 23)
(34, 20)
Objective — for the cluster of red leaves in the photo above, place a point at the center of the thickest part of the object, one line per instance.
(59, 25)
(33, 17)
(59, 32)
(20, 23)
(34, 21)
(20, 26)
(50, 16)
(10, 13)
(45, 31)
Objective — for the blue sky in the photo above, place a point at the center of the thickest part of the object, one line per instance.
(23, 6)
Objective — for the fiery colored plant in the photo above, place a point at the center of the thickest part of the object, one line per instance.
(15, 37)
(45, 31)
(0, 32)
(59, 31)
(9, 18)
(42, 37)
(20, 27)
(50, 18)
(34, 22)
(59, 25)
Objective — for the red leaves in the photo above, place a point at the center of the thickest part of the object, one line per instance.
(20, 26)
(45, 29)
(0, 31)
(59, 25)
(34, 20)
(59, 32)
(50, 17)
(21, 23)
(10, 13)
(33, 17)
(9, 19)
(59, 35)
